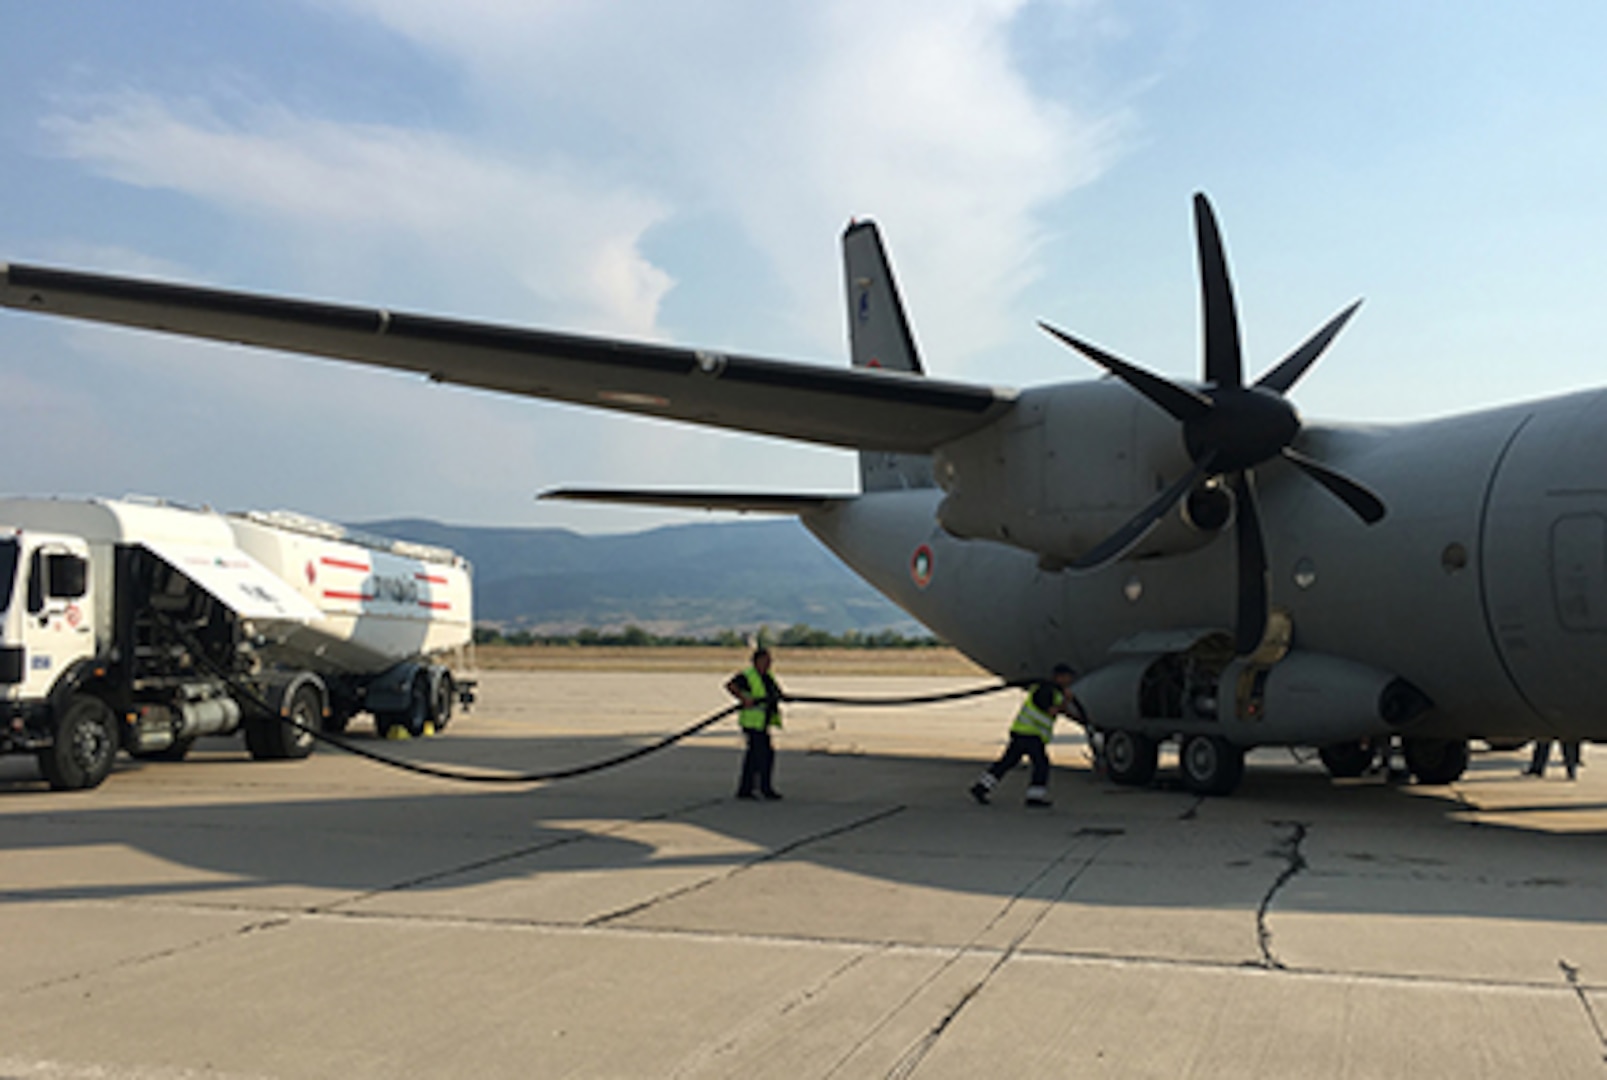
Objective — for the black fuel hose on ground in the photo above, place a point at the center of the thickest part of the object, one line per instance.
(570, 772)
(249, 694)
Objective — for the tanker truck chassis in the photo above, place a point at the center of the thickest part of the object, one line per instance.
(141, 627)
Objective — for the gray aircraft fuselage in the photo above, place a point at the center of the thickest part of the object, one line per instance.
(1486, 586)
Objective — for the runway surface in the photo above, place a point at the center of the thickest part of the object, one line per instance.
(329, 918)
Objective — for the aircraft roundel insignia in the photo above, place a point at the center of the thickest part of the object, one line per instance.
(921, 564)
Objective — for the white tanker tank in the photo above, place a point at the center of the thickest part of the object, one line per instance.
(141, 625)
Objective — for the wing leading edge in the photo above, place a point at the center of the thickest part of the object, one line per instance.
(856, 408)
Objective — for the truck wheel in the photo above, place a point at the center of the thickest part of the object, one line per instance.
(441, 701)
(412, 722)
(1436, 761)
(1346, 760)
(271, 739)
(85, 748)
(1211, 765)
(1130, 757)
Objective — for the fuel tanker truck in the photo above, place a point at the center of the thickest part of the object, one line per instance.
(141, 626)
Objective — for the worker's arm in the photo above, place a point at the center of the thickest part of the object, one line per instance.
(738, 688)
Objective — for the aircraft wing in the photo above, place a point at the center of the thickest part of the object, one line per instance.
(860, 408)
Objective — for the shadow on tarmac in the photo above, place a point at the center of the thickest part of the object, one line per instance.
(904, 820)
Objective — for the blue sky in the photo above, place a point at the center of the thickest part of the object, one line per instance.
(682, 171)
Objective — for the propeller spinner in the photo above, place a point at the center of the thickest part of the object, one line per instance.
(1228, 429)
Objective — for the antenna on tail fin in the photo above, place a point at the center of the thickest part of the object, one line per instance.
(879, 337)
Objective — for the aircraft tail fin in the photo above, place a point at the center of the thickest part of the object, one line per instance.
(879, 337)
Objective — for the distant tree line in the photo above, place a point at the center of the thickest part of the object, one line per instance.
(796, 636)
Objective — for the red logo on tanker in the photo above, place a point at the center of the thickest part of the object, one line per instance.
(921, 567)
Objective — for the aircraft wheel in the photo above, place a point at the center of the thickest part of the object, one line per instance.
(1211, 765)
(1346, 760)
(85, 748)
(1130, 757)
(1436, 761)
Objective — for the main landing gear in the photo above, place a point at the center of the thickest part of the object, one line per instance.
(1211, 765)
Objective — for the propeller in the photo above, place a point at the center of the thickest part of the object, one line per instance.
(1228, 429)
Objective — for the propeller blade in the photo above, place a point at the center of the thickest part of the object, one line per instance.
(1224, 365)
(1293, 366)
(1125, 538)
(1179, 402)
(1253, 584)
(1363, 503)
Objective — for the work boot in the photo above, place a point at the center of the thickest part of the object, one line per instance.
(979, 792)
(1038, 797)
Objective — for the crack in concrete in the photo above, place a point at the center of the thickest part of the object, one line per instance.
(1571, 973)
(697, 1063)
(1289, 850)
(768, 856)
(158, 955)
(913, 1057)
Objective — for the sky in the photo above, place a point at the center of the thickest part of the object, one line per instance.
(682, 171)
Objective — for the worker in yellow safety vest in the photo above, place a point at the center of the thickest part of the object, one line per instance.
(1034, 726)
(760, 697)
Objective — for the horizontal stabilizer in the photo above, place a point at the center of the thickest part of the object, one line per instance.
(741, 502)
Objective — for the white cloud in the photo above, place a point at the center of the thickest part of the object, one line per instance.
(588, 127)
(792, 117)
(570, 241)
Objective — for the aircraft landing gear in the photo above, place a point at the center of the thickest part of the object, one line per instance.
(1130, 757)
(1211, 765)
(1436, 761)
(1346, 760)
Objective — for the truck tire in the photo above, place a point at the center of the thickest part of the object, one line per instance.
(441, 701)
(85, 748)
(269, 738)
(412, 722)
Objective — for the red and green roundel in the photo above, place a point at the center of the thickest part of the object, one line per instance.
(921, 565)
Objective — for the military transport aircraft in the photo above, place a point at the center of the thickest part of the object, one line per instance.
(1222, 572)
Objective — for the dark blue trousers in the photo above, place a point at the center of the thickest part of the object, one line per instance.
(758, 762)
(1023, 746)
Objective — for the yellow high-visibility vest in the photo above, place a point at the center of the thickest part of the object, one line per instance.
(1032, 720)
(761, 716)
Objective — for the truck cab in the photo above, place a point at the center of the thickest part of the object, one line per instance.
(47, 614)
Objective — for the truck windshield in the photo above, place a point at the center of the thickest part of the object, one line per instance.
(8, 571)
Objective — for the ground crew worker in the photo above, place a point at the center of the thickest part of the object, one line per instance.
(1029, 737)
(760, 696)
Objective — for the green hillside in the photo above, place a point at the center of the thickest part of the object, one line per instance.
(682, 579)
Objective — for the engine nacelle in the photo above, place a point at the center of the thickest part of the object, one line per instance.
(1305, 699)
(1068, 466)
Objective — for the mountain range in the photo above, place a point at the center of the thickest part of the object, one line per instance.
(692, 579)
